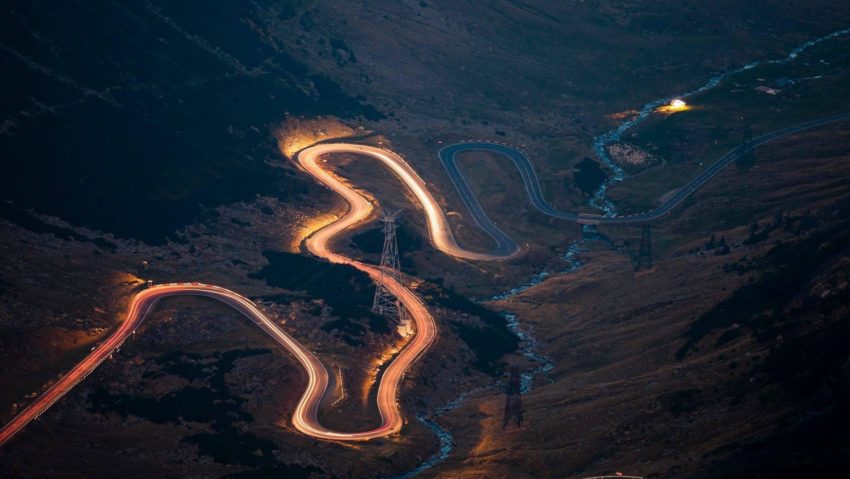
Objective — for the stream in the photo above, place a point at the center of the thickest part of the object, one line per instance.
(528, 345)
(600, 143)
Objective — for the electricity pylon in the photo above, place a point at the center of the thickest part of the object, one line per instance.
(513, 400)
(747, 157)
(385, 303)
(645, 254)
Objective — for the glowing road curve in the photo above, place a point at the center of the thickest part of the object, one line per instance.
(304, 417)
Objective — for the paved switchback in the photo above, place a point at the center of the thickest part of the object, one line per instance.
(449, 157)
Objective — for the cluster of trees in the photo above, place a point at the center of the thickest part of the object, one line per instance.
(719, 246)
(758, 233)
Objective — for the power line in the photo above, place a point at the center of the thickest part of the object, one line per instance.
(385, 303)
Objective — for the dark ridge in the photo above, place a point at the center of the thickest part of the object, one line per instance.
(151, 115)
(28, 221)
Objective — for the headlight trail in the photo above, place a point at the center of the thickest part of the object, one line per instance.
(438, 227)
(305, 416)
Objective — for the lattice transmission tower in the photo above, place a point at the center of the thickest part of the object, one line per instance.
(513, 399)
(747, 157)
(385, 303)
(644, 258)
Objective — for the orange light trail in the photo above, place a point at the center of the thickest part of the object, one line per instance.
(305, 415)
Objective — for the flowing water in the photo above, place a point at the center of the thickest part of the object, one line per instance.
(528, 346)
(600, 143)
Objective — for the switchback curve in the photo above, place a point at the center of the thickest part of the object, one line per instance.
(448, 157)
(304, 417)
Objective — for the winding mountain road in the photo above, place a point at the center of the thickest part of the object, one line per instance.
(504, 244)
(360, 208)
(305, 416)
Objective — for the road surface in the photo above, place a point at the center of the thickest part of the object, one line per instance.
(504, 244)
(438, 228)
(305, 416)
(360, 208)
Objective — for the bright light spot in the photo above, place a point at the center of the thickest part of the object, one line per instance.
(675, 105)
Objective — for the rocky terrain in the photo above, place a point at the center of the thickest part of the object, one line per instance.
(153, 141)
(720, 361)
